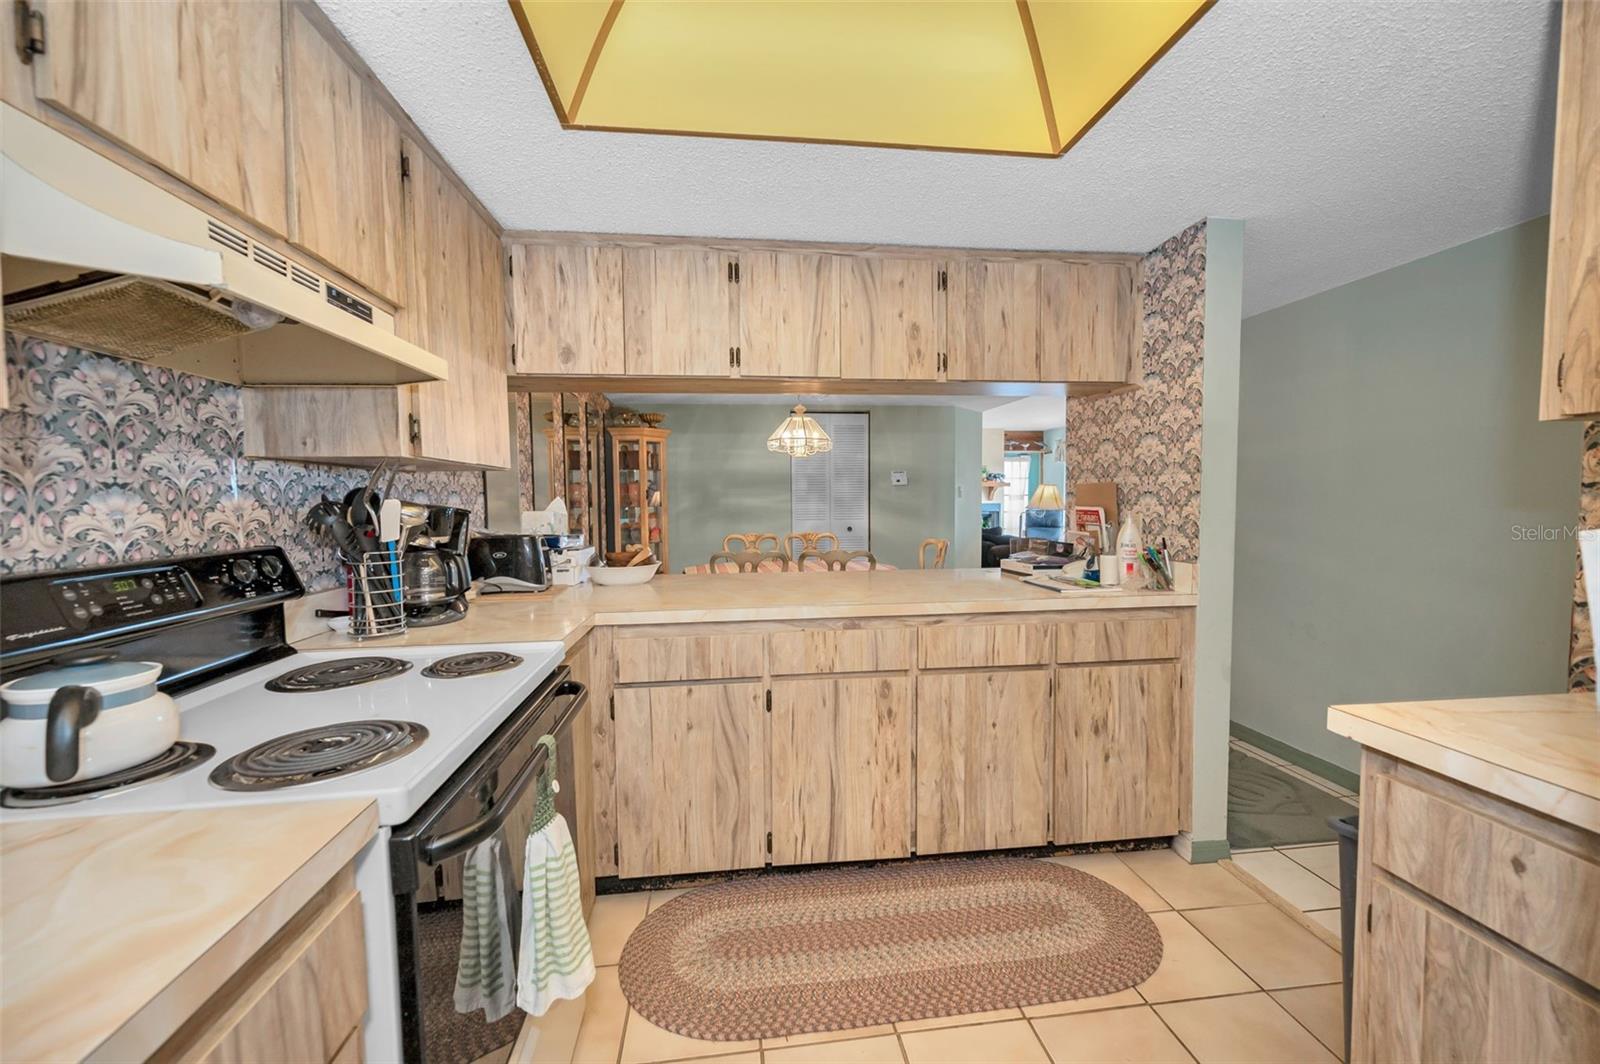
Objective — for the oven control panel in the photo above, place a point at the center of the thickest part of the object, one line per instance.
(114, 599)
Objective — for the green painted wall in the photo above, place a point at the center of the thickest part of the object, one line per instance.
(722, 479)
(1389, 452)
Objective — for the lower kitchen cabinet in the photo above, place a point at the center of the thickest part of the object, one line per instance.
(1117, 757)
(983, 778)
(691, 778)
(841, 769)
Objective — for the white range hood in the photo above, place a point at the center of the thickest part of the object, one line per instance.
(100, 257)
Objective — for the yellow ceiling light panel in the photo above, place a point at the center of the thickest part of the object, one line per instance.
(1016, 76)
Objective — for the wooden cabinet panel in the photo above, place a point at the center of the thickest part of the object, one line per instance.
(344, 162)
(658, 658)
(678, 311)
(963, 646)
(301, 998)
(810, 651)
(992, 321)
(788, 314)
(1508, 880)
(1435, 989)
(455, 307)
(566, 309)
(1130, 639)
(1088, 321)
(1117, 758)
(1571, 382)
(887, 318)
(691, 778)
(193, 86)
(982, 772)
(841, 769)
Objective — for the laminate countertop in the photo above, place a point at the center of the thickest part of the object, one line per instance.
(566, 614)
(117, 929)
(1539, 751)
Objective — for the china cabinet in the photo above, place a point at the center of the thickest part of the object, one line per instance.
(638, 470)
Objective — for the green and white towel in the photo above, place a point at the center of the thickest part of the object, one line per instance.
(556, 961)
(484, 973)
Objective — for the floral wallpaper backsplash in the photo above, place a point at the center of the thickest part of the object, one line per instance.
(1581, 670)
(1148, 440)
(104, 460)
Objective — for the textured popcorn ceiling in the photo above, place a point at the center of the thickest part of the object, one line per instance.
(1350, 137)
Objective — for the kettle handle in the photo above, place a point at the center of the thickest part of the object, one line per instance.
(72, 708)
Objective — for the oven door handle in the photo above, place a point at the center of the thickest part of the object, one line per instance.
(445, 846)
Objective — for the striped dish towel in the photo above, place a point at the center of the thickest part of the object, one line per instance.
(484, 973)
(555, 961)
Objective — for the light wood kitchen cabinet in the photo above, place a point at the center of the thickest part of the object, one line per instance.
(992, 321)
(344, 162)
(691, 778)
(679, 312)
(888, 318)
(1117, 758)
(1571, 380)
(983, 780)
(566, 309)
(455, 307)
(841, 769)
(788, 314)
(185, 84)
(1088, 321)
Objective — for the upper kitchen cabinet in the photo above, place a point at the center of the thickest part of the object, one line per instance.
(344, 161)
(788, 314)
(888, 318)
(679, 312)
(1571, 383)
(566, 309)
(991, 321)
(1088, 321)
(192, 86)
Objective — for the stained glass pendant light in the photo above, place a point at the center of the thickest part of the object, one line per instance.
(799, 436)
(1022, 77)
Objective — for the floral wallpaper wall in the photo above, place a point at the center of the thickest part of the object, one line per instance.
(103, 460)
(1148, 440)
(1581, 671)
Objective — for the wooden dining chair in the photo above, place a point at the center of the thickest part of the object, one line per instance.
(740, 541)
(797, 543)
(939, 547)
(747, 561)
(837, 561)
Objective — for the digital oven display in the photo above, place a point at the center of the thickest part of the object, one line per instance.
(122, 586)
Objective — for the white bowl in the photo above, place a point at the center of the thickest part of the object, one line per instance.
(618, 576)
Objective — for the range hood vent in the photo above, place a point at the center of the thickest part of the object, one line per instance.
(99, 257)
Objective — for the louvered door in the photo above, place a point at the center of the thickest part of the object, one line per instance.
(829, 491)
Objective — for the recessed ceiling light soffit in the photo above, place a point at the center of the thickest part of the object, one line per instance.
(1019, 77)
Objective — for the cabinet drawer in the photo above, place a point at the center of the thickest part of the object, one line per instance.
(665, 658)
(1532, 890)
(976, 646)
(827, 650)
(1123, 639)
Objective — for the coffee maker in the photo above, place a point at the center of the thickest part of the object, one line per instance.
(435, 570)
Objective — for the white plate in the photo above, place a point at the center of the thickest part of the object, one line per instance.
(615, 576)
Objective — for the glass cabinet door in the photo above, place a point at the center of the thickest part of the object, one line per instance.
(630, 526)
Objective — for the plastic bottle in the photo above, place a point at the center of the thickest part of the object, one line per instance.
(1129, 546)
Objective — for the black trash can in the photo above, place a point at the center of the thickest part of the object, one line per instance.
(1346, 827)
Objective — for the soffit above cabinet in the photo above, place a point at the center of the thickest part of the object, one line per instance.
(1025, 78)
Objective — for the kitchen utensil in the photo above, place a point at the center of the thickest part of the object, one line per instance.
(621, 576)
(90, 717)
(389, 520)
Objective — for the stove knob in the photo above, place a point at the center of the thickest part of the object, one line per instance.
(271, 567)
(243, 570)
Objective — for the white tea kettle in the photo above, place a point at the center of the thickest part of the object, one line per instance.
(86, 717)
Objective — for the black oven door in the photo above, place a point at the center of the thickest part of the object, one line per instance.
(491, 795)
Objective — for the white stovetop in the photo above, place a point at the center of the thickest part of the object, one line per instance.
(240, 712)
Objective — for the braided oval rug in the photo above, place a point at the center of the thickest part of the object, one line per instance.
(853, 947)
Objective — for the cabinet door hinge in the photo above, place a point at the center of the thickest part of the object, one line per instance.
(416, 430)
(1369, 918)
(510, 269)
(738, 356)
(405, 167)
(736, 276)
(730, 358)
(513, 354)
(30, 31)
(944, 281)
(616, 855)
(769, 700)
(613, 707)
(769, 843)
(730, 271)
(1561, 372)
